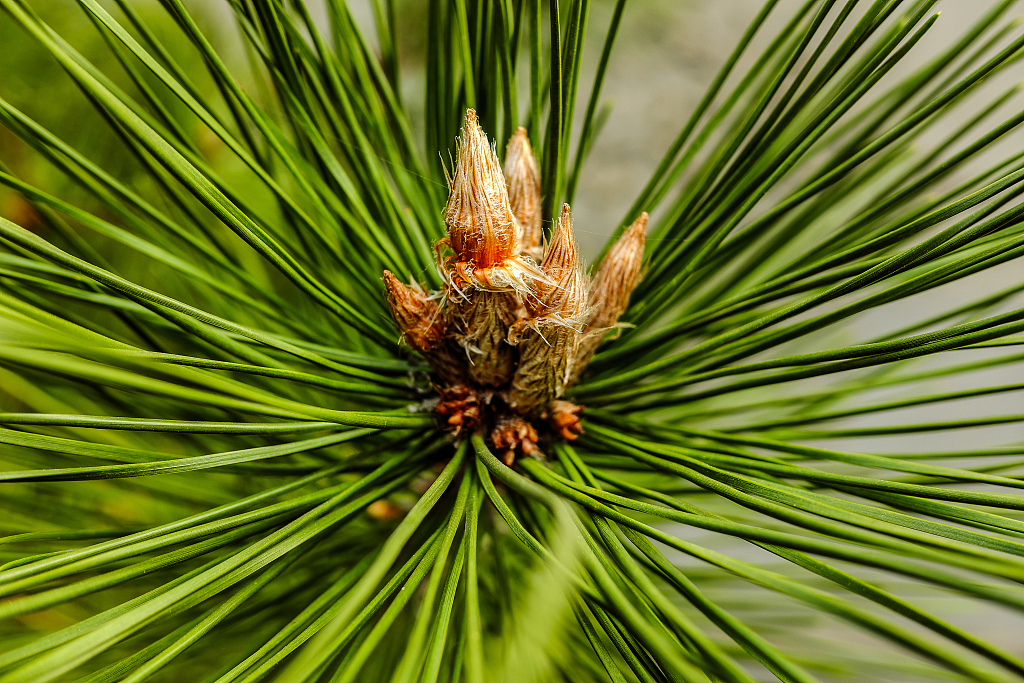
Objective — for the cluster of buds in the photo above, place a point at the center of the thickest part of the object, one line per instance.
(508, 335)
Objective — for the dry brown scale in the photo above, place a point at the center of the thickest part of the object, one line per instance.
(508, 336)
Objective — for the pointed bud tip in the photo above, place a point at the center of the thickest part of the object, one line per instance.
(562, 251)
(398, 293)
(394, 287)
(640, 224)
(520, 151)
(567, 295)
(471, 136)
(415, 315)
(519, 158)
(398, 290)
(635, 235)
(519, 138)
(618, 275)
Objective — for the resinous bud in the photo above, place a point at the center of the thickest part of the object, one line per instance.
(415, 314)
(522, 175)
(481, 226)
(564, 294)
(482, 322)
(422, 326)
(549, 341)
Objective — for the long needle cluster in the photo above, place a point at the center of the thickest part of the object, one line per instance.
(513, 335)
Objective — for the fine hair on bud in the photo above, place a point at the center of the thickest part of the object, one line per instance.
(422, 326)
(549, 341)
(564, 296)
(482, 325)
(522, 176)
(416, 315)
(482, 230)
(503, 336)
(481, 226)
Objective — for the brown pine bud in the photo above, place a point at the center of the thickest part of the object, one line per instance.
(483, 323)
(564, 418)
(615, 280)
(618, 275)
(422, 327)
(522, 176)
(550, 339)
(459, 407)
(564, 295)
(546, 356)
(481, 226)
(512, 434)
(415, 314)
(482, 230)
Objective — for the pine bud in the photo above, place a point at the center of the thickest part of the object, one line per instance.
(564, 418)
(481, 226)
(415, 314)
(482, 230)
(615, 280)
(522, 176)
(564, 295)
(550, 339)
(422, 327)
(546, 356)
(459, 406)
(483, 324)
(512, 434)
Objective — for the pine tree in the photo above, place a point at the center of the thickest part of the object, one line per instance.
(302, 381)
